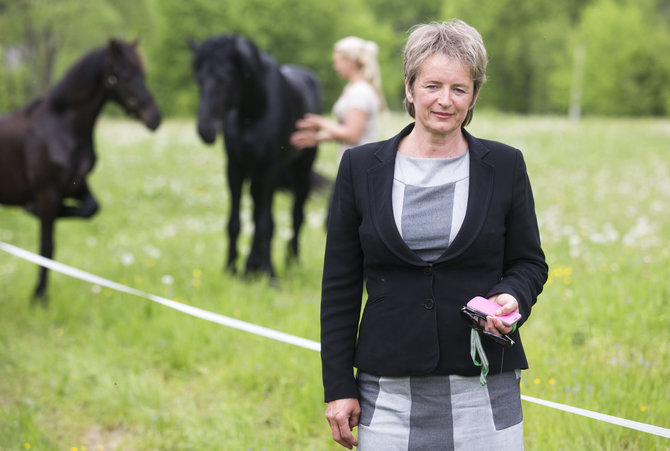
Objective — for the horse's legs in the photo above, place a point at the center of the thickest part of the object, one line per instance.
(303, 177)
(46, 207)
(262, 189)
(46, 250)
(235, 180)
(87, 207)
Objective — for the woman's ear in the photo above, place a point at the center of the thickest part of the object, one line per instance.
(474, 100)
(408, 92)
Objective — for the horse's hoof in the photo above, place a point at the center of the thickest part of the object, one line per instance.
(230, 269)
(273, 282)
(40, 299)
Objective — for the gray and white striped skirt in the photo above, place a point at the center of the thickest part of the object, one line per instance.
(440, 413)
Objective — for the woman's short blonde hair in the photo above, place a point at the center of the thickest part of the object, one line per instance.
(454, 39)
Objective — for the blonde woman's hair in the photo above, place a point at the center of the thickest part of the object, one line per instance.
(453, 39)
(365, 54)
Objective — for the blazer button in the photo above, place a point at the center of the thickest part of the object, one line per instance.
(427, 271)
(428, 304)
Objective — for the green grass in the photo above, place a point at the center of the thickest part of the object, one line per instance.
(106, 370)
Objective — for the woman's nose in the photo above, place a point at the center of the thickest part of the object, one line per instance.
(444, 97)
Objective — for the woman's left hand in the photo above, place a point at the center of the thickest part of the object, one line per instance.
(508, 304)
(304, 138)
(310, 122)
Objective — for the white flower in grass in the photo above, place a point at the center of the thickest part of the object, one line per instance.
(167, 279)
(176, 186)
(657, 206)
(96, 289)
(127, 259)
(608, 235)
(168, 231)
(91, 241)
(642, 228)
(315, 220)
(152, 252)
(285, 233)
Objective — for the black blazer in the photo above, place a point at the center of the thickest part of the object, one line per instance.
(411, 324)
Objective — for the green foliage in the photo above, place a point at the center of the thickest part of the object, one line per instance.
(531, 49)
(522, 39)
(531, 45)
(46, 37)
(625, 73)
(419, 11)
(298, 32)
(104, 368)
(12, 85)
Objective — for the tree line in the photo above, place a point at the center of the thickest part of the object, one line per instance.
(583, 57)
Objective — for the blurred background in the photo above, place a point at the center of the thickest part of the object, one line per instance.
(101, 370)
(578, 57)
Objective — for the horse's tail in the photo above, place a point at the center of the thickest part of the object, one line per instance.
(320, 182)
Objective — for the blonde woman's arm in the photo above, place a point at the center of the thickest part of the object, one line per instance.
(313, 129)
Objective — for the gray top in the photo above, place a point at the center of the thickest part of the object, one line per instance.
(430, 196)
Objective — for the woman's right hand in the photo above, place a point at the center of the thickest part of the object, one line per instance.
(343, 415)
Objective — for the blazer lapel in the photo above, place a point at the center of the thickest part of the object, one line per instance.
(380, 186)
(479, 199)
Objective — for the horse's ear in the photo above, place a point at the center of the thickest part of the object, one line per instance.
(115, 47)
(248, 53)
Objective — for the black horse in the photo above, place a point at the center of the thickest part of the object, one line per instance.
(46, 148)
(255, 102)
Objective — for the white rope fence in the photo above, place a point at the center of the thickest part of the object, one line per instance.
(281, 336)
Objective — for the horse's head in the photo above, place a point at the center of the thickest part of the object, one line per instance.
(124, 82)
(224, 67)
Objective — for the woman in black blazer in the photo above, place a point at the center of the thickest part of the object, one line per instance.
(425, 221)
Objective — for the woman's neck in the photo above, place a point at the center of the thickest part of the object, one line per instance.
(355, 77)
(427, 145)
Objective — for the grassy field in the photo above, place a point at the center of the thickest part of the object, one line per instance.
(103, 370)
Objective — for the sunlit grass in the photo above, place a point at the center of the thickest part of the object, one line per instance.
(106, 370)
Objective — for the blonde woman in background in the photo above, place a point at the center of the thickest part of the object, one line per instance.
(358, 107)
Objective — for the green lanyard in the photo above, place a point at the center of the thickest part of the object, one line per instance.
(477, 348)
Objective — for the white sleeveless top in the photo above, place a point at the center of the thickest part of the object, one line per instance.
(359, 95)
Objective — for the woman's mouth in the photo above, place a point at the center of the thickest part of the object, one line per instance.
(442, 114)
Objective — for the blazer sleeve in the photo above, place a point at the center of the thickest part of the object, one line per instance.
(342, 287)
(524, 267)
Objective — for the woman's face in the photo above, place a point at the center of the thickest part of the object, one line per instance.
(442, 94)
(344, 66)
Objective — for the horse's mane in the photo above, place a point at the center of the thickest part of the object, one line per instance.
(79, 81)
(31, 106)
(216, 49)
(212, 49)
(253, 62)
